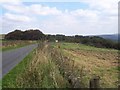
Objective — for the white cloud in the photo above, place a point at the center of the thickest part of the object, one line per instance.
(99, 18)
(105, 6)
(16, 8)
(10, 2)
(88, 15)
(19, 18)
(70, 25)
(34, 8)
(44, 10)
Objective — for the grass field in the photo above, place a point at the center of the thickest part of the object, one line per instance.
(96, 61)
(52, 65)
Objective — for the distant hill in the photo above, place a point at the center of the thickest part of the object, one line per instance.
(113, 37)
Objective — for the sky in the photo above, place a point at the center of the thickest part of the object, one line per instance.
(78, 17)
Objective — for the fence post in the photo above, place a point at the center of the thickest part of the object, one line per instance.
(94, 82)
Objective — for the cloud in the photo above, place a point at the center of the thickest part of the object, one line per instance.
(98, 18)
(44, 10)
(88, 15)
(19, 18)
(10, 2)
(4, 1)
(16, 8)
(70, 25)
(34, 8)
(105, 6)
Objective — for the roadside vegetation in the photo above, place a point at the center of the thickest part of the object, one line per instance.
(64, 65)
(38, 71)
(13, 44)
(42, 72)
(9, 80)
(0, 84)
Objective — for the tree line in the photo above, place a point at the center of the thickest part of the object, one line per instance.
(25, 35)
(38, 35)
(87, 40)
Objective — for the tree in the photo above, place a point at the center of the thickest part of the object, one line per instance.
(25, 35)
(33, 35)
(15, 35)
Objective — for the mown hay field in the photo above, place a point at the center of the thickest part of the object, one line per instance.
(95, 61)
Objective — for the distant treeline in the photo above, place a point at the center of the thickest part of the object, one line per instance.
(25, 35)
(87, 40)
(38, 35)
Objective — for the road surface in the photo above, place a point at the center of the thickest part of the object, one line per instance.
(12, 57)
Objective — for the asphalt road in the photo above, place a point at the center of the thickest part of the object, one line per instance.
(12, 57)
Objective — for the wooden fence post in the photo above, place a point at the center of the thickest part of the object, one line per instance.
(94, 82)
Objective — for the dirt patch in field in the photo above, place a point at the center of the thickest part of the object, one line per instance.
(112, 57)
(99, 63)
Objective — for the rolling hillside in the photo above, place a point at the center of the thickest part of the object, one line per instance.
(114, 37)
(111, 36)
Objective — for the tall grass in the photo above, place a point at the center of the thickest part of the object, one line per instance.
(68, 69)
(42, 72)
(51, 69)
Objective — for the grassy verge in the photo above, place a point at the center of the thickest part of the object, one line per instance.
(13, 47)
(42, 72)
(0, 84)
(35, 71)
(9, 80)
(8, 45)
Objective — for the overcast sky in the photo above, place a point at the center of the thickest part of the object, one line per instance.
(86, 17)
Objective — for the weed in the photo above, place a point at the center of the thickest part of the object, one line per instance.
(41, 72)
